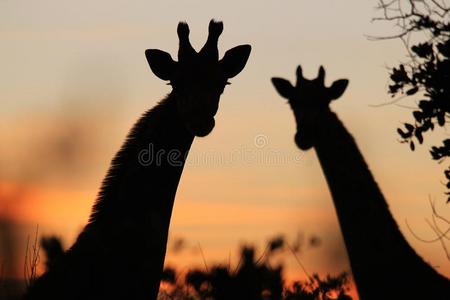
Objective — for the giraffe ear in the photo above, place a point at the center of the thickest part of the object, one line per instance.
(234, 60)
(283, 87)
(337, 88)
(161, 63)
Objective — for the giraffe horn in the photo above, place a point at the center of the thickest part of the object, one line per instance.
(321, 75)
(299, 73)
(210, 50)
(185, 49)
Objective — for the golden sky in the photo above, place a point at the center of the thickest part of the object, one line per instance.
(74, 79)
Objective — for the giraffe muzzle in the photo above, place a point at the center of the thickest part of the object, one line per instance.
(201, 127)
(303, 142)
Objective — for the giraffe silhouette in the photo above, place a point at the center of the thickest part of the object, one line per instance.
(120, 252)
(383, 263)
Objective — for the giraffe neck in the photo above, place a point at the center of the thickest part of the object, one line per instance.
(144, 174)
(120, 253)
(137, 195)
(380, 257)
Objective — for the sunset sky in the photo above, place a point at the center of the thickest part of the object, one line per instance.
(74, 79)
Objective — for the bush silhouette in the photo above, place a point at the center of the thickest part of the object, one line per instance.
(253, 279)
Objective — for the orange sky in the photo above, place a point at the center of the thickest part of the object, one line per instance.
(74, 79)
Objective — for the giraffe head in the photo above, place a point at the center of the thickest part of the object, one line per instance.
(198, 78)
(309, 99)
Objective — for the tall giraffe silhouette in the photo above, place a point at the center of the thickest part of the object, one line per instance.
(120, 253)
(383, 263)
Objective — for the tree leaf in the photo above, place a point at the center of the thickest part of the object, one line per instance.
(412, 91)
(418, 134)
(404, 135)
(418, 115)
(441, 119)
(409, 127)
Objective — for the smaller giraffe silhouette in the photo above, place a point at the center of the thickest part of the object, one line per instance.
(384, 265)
(120, 253)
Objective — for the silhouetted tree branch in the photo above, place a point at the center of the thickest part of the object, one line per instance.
(436, 224)
(424, 28)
